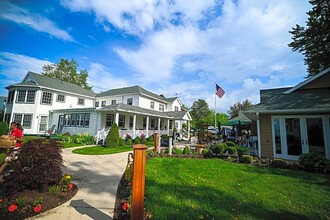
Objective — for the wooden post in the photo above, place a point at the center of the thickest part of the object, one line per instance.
(156, 142)
(139, 165)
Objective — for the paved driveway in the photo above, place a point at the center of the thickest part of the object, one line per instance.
(97, 178)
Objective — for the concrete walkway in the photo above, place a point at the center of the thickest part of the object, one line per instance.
(97, 178)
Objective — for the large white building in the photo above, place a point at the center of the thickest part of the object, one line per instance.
(40, 103)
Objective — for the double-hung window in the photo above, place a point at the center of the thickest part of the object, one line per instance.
(130, 101)
(152, 104)
(46, 98)
(161, 107)
(60, 98)
(81, 101)
(24, 119)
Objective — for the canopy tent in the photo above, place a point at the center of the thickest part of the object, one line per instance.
(241, 118)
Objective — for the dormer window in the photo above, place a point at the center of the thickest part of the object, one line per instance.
(103, 103)
(81, 101)
(176, 108)
(161, 107)
(130, 101)
(97, 104)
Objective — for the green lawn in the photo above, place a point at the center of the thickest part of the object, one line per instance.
(216, 189)
(99, 150)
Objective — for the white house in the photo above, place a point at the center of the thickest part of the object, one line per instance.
(40, 103)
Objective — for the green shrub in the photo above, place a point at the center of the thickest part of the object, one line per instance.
(223, 147)
(67, 134)
(4, 127)
(112, 139)
(232, 150)
(206, 153)
(314, 162)
(280, 163)
(246, 159)
(137, 140)
(143, 140)
(186, 150)
(177, 151)
(215, 148)
(242, 150)
(38, 166)
(230, 144)
(129, 142)
(150, 138)
(121, 142)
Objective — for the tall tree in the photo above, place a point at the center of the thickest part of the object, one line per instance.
(200, 112)
(314, 40)
(234, 109)
(67, 71)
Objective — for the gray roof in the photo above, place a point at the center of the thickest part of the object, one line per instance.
(51, 83)
(131, 90)
(177, 114)
(276, 100)
(83, 110)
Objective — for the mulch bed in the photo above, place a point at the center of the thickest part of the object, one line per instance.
(49, 201)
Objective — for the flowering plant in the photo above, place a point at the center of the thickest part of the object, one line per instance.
(70, 186)
(37, 208)
(12, 208)
(126, 207)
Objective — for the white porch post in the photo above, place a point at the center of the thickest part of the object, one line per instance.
(147, 126)
(117, 118)
(258, 131)
(188, 130)
(134, 123)
(158, 125)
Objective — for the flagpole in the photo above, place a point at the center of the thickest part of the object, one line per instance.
(215, 108)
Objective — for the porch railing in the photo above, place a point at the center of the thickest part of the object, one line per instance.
(102, 134)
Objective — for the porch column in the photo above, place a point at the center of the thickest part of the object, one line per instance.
(188, 130)
(158, 125)
(147, 126)
(117, 118)
(259, 140)
(134, 123)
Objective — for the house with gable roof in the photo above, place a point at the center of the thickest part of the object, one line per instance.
(40, 103)
(294, 120)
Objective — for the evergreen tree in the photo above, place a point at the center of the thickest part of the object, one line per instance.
(314, 40)
(112, 139)
(234, 109)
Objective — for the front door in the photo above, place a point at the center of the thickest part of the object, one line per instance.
(295, 135)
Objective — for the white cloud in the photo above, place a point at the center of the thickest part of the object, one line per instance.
(102, 80)
(35, 21)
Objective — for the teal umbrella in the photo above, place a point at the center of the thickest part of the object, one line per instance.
(240, 118)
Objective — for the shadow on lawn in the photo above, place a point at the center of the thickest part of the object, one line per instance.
(320, 179)
(216, 205)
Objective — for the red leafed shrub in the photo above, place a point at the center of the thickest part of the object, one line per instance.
(38, 165)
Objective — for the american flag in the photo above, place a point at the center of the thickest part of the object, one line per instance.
(219, 91)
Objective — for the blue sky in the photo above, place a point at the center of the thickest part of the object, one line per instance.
(171, 47)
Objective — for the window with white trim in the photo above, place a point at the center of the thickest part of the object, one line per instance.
(80, 120)
(81, 101)
(130, 101)
(20, 96)
(176, 108)
(25, 96)
(87, 119)
(24, 119)
(73, 120)
(113, 102)
(108, 120)
(67, 120)
(130, 121)
(46, 98)
(144, 122)
(43, 123)
(97, 104)
(152, 123)
(60, 98)
(103, 103)
(121, 122)
(152, 105)
(161, 107)
(11, 95)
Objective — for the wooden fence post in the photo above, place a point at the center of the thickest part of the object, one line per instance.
(156, 142)
(139, 165)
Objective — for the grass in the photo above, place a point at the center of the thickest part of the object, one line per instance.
(217, 189)
(99, 150)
